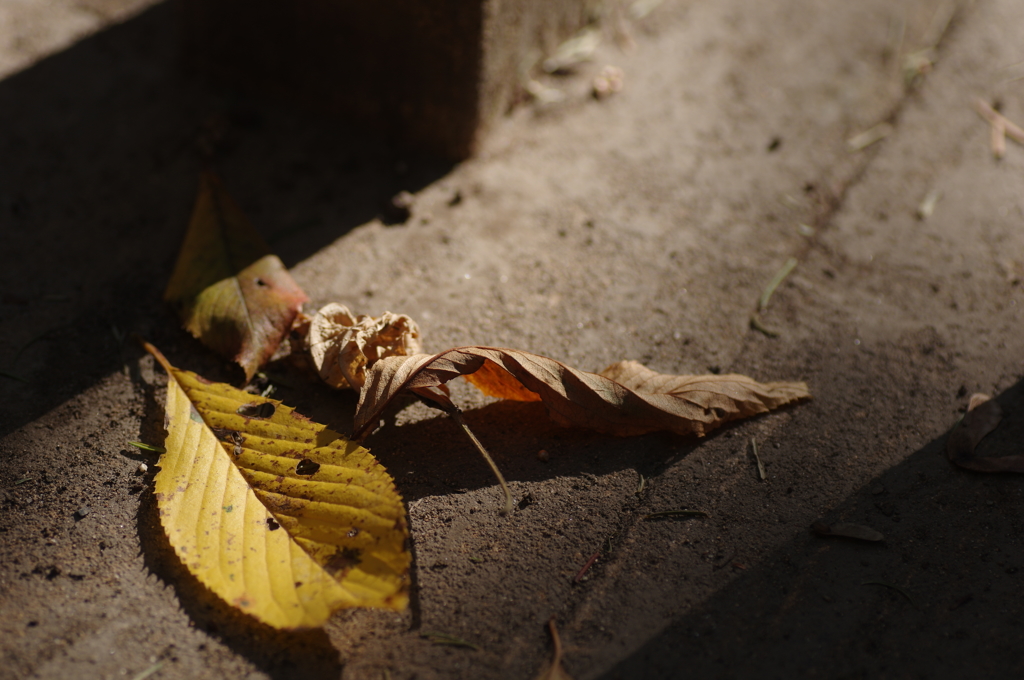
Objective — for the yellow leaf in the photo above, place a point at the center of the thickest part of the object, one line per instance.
(277, 515)
(228, 289)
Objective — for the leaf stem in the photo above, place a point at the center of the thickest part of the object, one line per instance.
(553, 629)
(149, 671)
(892, 586)
(760, 466)
(676, 513)
(457, 417)
(758, 325)
(157, 354)
(762, 303)
(448, 639)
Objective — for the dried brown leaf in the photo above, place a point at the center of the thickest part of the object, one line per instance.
(342, 345)
(229, 290)
(983, 415)
(624, 399)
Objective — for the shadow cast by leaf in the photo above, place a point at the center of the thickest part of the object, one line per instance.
(432, 457)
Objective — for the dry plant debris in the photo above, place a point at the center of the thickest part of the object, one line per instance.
(847, 530)
(275, 514)
(542, 93)
(575, 51)
(1002, 128)
(761, 474)
(928, 203)
(448, 640)
(766, 295)
(554, 669)
(664, 514)
(870, 136)
(229, 290)
(586, 567)
(624, 399)
(892, 586)
(148, 447)
(342, 344)
(983, 415)
(142, 675)
(608, 82)
(320, 520)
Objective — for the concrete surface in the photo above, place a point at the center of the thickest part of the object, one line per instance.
(644, 226)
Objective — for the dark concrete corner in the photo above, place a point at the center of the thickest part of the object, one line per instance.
(434, 75)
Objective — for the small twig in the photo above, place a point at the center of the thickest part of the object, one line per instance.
(149, 671)
(457, 417)
(556, 658)
(41, 336)
(586, 567)
(961, 602)
(941, 20)
(870, 136)
(894, 40)
(893, 587)
(148, 447)
(676, 513)
(998, 138)
(762, 302)
(447, 639)
(927, 207)
(760, 466)
(724, 563)
(766, 295)
(1013, 131)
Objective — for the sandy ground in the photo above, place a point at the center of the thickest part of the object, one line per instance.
(644, 226)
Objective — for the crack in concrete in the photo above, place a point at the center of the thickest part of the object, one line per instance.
(833, 199)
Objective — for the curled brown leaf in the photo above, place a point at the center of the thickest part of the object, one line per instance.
(624, 399)
(983, 415)
(342, 345)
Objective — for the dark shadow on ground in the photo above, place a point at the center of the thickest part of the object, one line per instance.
(837, 608)
(433, 457)
(102, 145)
